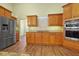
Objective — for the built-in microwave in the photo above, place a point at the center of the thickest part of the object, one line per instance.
(71, 27)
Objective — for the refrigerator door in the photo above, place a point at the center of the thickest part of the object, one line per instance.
(5, 20)
(12, 30)
(2, 43)
(0, 24)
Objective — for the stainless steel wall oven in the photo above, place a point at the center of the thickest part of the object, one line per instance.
(71, 28)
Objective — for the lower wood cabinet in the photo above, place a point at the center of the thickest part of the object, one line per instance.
(44, 38)
(52, 38)
(30, 37)
(17, 36)
(38, 38)
(71, 44)
(59, 38)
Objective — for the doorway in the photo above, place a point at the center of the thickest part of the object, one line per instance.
(23, 31)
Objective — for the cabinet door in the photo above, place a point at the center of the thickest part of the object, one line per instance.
(67, 11)
(59, 38)
(17, 36)
(75, 10)
(7, 13)
(52, 39)
(55, 19)
(5, 20)
(45, 38)
(1, 11)
(29, 20)
(3, 43)
(30, 37)
(60, 20)
(11, 27)
(38, 37)
(32, 20)
(50, 20)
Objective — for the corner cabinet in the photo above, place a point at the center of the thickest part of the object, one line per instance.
(71, 10)
(55, 19)
(32, 20)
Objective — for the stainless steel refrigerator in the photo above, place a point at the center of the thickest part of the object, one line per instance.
(7, 32)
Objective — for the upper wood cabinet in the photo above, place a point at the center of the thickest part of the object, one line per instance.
(67, 11)
(32, 20)
(71, 10)
(5, 12)
(55, 19)
(1, 11)
(75, 10)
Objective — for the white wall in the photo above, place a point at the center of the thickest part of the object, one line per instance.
(40, 9)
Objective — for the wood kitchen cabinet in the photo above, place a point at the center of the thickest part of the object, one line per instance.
(30, 37)
(67, 11)
(52, 38)
(75, 10)
(5, 12)
(71, 44)
(17, 36)
(60, 20)
(55, 19)
(38, 38)
(56, 38)
(1, 11)
(45, 38)
(71, 10)
(32, 20)
(59, 38)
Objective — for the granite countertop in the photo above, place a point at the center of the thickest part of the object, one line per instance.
(44, 31)
(12, 54)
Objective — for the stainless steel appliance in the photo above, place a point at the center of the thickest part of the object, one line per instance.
(71, 28)
(7, 32)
